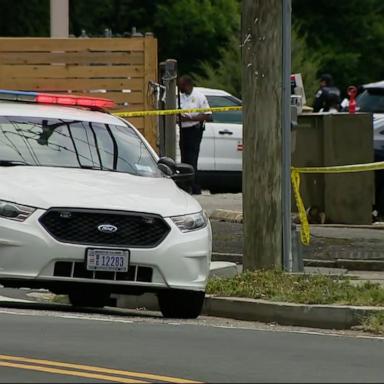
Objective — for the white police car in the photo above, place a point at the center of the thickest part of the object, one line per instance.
(88, 209)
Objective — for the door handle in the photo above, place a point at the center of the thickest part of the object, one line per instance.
(226, 132)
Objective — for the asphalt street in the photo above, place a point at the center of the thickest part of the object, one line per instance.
(43, 342)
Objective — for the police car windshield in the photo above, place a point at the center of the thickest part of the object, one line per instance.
(371, 100)
(74, 144)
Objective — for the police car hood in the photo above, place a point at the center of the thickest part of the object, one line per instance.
(45, 187)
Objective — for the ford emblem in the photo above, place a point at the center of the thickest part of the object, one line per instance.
(107, 228)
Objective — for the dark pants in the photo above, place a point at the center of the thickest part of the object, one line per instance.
(190, 139)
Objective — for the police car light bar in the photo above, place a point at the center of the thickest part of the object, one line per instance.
(48, 98)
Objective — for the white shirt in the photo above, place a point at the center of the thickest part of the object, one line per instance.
(194, 100)
(331, 110)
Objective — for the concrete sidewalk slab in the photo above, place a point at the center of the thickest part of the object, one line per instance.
(226, 201)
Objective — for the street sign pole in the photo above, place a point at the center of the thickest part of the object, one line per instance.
(286, 136)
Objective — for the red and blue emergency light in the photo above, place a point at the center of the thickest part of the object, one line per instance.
(56, 99)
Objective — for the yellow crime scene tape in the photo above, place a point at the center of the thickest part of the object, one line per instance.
(175, 111)
(305, 232)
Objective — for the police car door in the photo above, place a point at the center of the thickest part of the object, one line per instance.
(228, 131)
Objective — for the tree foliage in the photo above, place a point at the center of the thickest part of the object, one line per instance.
(347, 34)
(344, 37)
(191, 30)
(24, 18)
(187, 30)
(226, 72)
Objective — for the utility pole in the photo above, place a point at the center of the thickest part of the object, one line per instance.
(59, 10)
(289, 228)
(265, 115)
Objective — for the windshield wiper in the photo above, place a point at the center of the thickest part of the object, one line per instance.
(12, 163)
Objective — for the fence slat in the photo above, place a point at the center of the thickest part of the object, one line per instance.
(70, 71)
(138, 122)
(47, 45)
(133, 58)
(84, 66)
(71, 84)
(136, 97)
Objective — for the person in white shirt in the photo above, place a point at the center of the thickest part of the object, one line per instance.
(191, 125)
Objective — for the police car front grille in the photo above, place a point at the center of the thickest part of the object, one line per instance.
(83, 227)
(78, 270)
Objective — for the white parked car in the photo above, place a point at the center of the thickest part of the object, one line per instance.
(88, 209)
(220, 159)
(371, 100)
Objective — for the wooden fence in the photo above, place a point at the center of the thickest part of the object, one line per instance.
(115, 68)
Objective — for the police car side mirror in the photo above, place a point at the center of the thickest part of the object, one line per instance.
(165, 169)
(184, 174)
(165, 163)
(181, 173)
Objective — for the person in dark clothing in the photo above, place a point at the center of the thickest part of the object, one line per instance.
(326, 95)
(191, 125)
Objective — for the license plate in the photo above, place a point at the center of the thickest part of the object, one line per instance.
(111, 260)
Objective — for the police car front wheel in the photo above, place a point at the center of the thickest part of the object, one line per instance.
(181, 304)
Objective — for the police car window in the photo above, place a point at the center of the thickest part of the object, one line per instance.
(78, 144)
(229, 117)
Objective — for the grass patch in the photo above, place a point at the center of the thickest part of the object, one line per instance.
(304, 289)
(374, 323)
(60, 299)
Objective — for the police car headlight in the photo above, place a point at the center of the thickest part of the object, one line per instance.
(13, 211)
(188, 223)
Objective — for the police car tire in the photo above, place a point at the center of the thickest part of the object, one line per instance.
(181, 304)
(97, 299)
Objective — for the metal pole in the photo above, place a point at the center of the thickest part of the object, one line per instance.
(170, 79)
(161, 118)
(286, 136)
(59, 18)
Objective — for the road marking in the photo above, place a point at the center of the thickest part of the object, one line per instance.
(34, 312)
(70, 373)
(49, 312)
(42, 362)
(328, 333)
(10, 299)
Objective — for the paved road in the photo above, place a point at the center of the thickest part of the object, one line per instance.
(53, 343)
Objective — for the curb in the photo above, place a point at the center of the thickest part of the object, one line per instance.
(303, 315)
(349, 264)
(226, 215)
(350, 226)
(236, 258)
